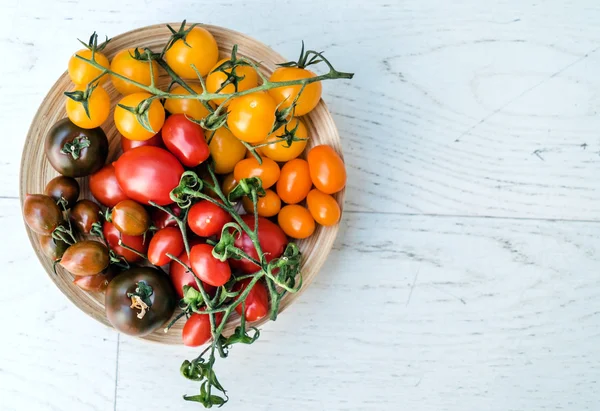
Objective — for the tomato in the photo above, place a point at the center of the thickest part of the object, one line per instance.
(85, 257)
(327, 169)
(197, 330)
(206, 219)
(208, 268)
(41, 213)
(98, 108)
(180, 276)
(125, 64)
(278, 150)
(63, 187)
(138, 243)
(84, 214)
(74, 151)
(139, 301)
(268, 171)
(229, 183)
(155, 140)
(251, 117)
(257, 301)
(168, 240)
(323, 207)
(285, 95)
(52, 248)
(127, 122)
(216, 78)
(96, 283)
(267, 206)
(160, 219)
(199, 48)
(185, 140)
(189, 106)
(82, 72)
(225, 149)
(271, 238)
(105, 188)
(148, 174)
(296, 221)
(130, 218)
(294, 182)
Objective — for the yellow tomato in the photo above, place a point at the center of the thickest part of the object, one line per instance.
(323, 207)
(137, 70)
(191, 107)
(225, 149)
(285, 95)
(82, 72)
(127, 122)
(251, 117)
(215, 80)
(268, 171)
(267, 206)
(98, 107)
(278, 150)
(296, 221)
(201, 50)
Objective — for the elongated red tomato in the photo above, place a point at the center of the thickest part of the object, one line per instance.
(206, 219)
(138, 243)
(180, 276)
(148, 174)
(185, 140)
(208, 268)
(196, 330)
(257, 301)
(271, 238)
(105, 188)
(165, 241)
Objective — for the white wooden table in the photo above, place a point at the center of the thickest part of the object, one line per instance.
(466, 274)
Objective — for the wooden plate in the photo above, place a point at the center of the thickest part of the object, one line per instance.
(36, 171)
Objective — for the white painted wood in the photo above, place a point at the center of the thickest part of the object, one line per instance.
(458, 109)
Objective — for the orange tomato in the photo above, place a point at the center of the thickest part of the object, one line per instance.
(285, 95)
(190, 107)
(278, 150)
(215, 80)
(251, 117)
(294, 181)
(268, 171)
(137, 70)
(127, 122)
(229, 183)
(267, 206)
(327, 169)
(82, 72)
(98, 107)
(225, 150)
(323, 207)
(198, 48)
(296, 221)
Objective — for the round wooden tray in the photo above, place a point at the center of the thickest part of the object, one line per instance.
(36, 171)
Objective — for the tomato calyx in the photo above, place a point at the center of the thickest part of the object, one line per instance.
(231, 65)
(74, 147)
(245, 188)
(140, 298)
(306, 59)
(83, 97)
(141, 111)
(92, 44)
(179, 34)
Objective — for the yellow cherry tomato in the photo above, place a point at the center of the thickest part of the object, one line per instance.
(323, 207)
(251, 117)
(225, 149)
(278, 150)
(201, 50)
(82, 72)
(296, 221)
(127, 122)
(137, 70)
(191, 107)
(267, 206)
(229, 183)
(285, 95)
(215, 80)
(268, 171)
(98, 107)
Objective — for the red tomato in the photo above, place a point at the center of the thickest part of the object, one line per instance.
(196, 330)
(105, 188)
(167, 240)
(257, 301)
(127, 144)
(160, 219)
(208, 268)
(112, 235)
(148, 174)
(180, 276)
(185, 140)
(206, 219)
(271, 238)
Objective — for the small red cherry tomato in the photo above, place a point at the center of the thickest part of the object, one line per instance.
(168, 240)
(112, 236)
(206, 219)
(185, 140)
(257, 301)
(180, 276)
(196, 330)
(208, 268)
(155, 140)
(105, 188)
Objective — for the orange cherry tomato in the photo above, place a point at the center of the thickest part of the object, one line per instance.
(82, 72)
(127, 122)
(98, 107)
(225, 149)
(278, 150)
(327, 169)
(137, 70)
(296, 221)
(229, 183)
(294, 181)
(199, 48)
(268, 171)
(190, 107)
(215, 80)
(251, 117)
(267, 206)
(310, 96)
(323, 207)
